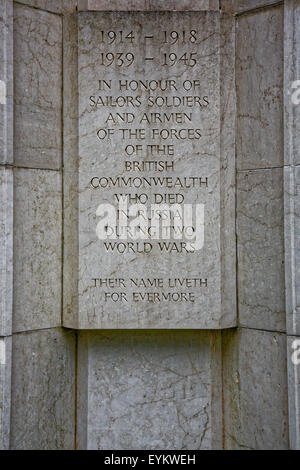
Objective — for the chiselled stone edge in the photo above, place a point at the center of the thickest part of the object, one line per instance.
(82, 391)
(291, 161)
(291, 234)
(148, 5)
(216, 387)
(6, 250)
(70, 172)
(6, 76)
(227, 171)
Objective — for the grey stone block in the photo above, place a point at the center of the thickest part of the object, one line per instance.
(5, 391)
(149, 390)
(255, 390)
(260, 219)
(293, 351)
(55, 6)
(147, 5)
(37, 249)
(259, 78)
(38, 88)
(6, 81)
(6, 250)
(241, 6)
(43, 390)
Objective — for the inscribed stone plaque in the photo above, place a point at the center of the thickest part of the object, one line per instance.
(152, 221)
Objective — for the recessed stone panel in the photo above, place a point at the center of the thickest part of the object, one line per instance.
(149, 390)
(155, 138)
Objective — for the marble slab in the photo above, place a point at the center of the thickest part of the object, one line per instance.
(43, 390)
(260, 229)
(255, 390)
(153, 134)
(259, 79)
(37, 88)
(37, 249)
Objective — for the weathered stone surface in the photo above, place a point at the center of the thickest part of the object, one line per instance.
(6, 250)
(43, 390)
(240, 6)
(199, 159)
(38, 85)
(6, 81)
(292, 209)
(259, 78)
(5, 389)
(255, 390)
(55, 6)
(149, 390)
(293, 351)
(37, 249)
(260, 219)
(147, 5)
